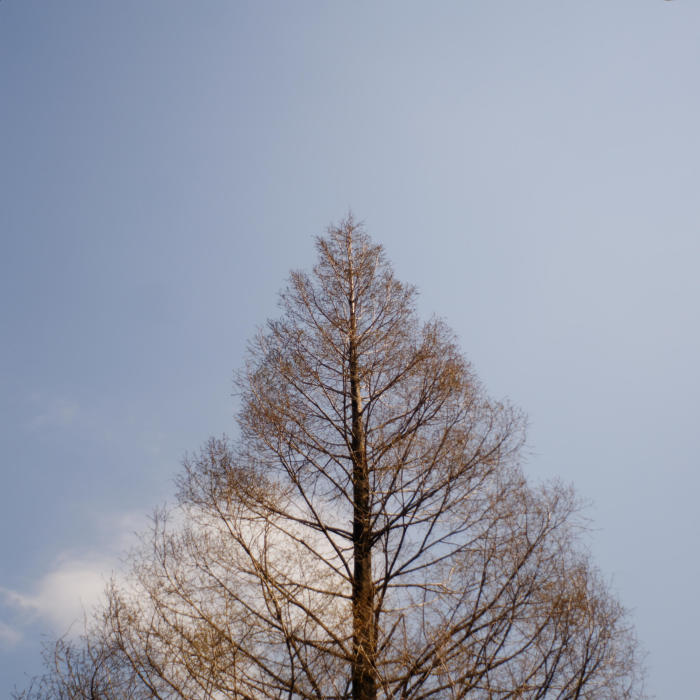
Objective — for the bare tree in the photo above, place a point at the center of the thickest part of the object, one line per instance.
(370, 534)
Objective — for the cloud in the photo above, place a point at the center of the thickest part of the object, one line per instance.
(123, 529)
(60, 599)
(64, 594)
(73, 586)
(53, 413)
(9, 637)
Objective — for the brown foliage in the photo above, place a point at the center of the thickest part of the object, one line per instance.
(371, 534)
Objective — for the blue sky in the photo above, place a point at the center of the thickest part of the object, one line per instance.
(533, 167)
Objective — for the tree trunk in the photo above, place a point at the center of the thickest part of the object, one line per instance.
(364, 682)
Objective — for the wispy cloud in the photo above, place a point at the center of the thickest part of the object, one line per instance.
(56, 412)
(9, 636)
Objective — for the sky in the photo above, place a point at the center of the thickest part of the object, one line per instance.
(532, 166)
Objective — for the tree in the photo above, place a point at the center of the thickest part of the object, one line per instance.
(369, 535)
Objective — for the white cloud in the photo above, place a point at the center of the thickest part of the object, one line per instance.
(62, 596)
(74, 585)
